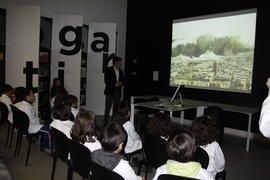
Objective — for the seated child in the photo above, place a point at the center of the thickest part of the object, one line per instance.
(61, 118)
(72, 101)
(84, 130)
(180, 148)
(24, 100)
(134, 142)
(113, 139)
(206, 135)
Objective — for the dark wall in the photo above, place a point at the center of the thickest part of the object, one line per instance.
(2, 44)
(149, 42)
(148, 47)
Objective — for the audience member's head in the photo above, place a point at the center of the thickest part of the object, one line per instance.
(71, 100)
(113, 137)
(61, 112)
(24, 94)
(123, 112)
(204, 130)
(7, 90)
(57, 82)
(117, 62)
(159, 125)
(84, 128)
(60, 96)
(181, 145)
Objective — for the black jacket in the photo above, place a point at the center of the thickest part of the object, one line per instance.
(110, 80)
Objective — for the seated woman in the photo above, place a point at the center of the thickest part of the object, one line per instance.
(180, 148)
(84, 130)
(134, 142)
(72, 101)
(206, 135)
(24, 100)
(61, 118)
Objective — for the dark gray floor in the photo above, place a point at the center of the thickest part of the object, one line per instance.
(240, 165)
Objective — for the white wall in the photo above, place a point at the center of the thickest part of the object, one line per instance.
(113, 11)
(92, 11)
(22, 43)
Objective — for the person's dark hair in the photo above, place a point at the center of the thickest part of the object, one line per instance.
(204, 130)
(181, 145)
(159, 125)
(112, 136)
(55, 88)
(61, 111)
(61, 95)
(84, 128)
(21, 93)
(116, 59)
(123, 108)
(5, 88)
(70, 99)
(122, 113)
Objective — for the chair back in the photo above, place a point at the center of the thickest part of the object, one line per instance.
(155, 150)
(3, 112)
(201, 156)
(80, 158)
(173, 177)
(61, 144)
(216, 113)
(20, 119)
(101, 173)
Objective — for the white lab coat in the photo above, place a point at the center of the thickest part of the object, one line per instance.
(134, 142)
(264, 122)
(216, 158)
(34, 124)
(63, 126)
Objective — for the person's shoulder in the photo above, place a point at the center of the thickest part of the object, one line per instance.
(204, 174)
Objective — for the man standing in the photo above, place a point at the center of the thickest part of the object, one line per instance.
(113, 78)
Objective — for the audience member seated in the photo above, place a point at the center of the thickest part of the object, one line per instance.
(72, 101)
(61, 118)
(24, 100)
(84, 130)
(122, 117)
(180, 148)
(159, 125)
(6, 93)
(206, 135)
(59, 97)
(113, 139)
(57, 84)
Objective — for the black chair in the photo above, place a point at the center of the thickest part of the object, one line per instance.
(80, 157)
(4, 119)
(61, 151)
(21, 123)
(102, 173)
(216, 113)
(173, 177)
(201, 156)
(155, 153)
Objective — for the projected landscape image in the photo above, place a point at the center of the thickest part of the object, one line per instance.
(214, 53)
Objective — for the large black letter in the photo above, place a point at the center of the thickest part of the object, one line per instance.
(104, 42)
(77, 41)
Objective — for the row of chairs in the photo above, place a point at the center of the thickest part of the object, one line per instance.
(21, 124)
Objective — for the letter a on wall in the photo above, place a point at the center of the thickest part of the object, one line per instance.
(66, 52)
(101, 47)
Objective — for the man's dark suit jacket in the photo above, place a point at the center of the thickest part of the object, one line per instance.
(110, 80)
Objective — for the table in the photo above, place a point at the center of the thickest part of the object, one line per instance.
(199, 105)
